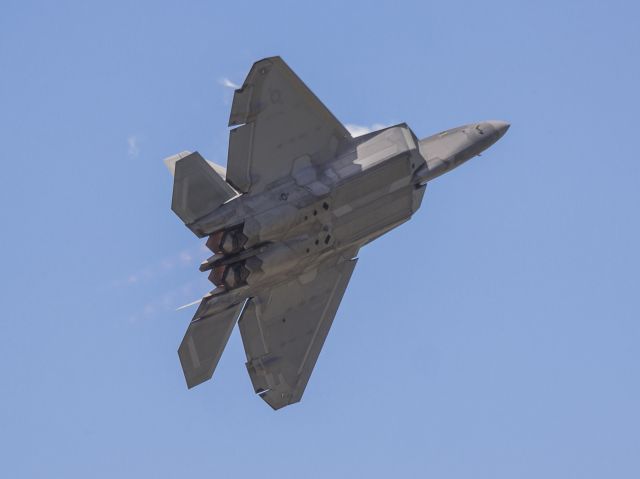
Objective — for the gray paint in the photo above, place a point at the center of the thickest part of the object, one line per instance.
(301, 197)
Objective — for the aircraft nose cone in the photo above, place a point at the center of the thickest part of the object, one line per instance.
(500, 127)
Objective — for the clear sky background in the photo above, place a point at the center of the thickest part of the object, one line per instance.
(495, 335)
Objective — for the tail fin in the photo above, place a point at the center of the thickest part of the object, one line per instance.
(198, 186)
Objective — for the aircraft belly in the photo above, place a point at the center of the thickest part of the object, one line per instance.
(373, 200)
(285, 220)
(377, 215)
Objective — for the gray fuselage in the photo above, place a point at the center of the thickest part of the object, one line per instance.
(376, 183)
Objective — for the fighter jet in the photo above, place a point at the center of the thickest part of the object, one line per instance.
(286, 219)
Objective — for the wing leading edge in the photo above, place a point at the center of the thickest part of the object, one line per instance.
(284, 329)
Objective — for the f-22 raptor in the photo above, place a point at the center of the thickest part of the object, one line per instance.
(285, 220)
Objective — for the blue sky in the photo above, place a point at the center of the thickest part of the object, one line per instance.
(493, 336)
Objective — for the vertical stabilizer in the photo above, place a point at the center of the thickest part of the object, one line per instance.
(198, 187)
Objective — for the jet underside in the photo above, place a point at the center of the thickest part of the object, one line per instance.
(285, 222)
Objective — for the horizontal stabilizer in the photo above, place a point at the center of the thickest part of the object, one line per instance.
(204, 342)
(198, 188)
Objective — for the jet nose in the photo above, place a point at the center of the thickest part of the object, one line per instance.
(500, 127)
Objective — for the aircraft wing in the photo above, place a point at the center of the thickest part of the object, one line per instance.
(284, 328)
(282, 121)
